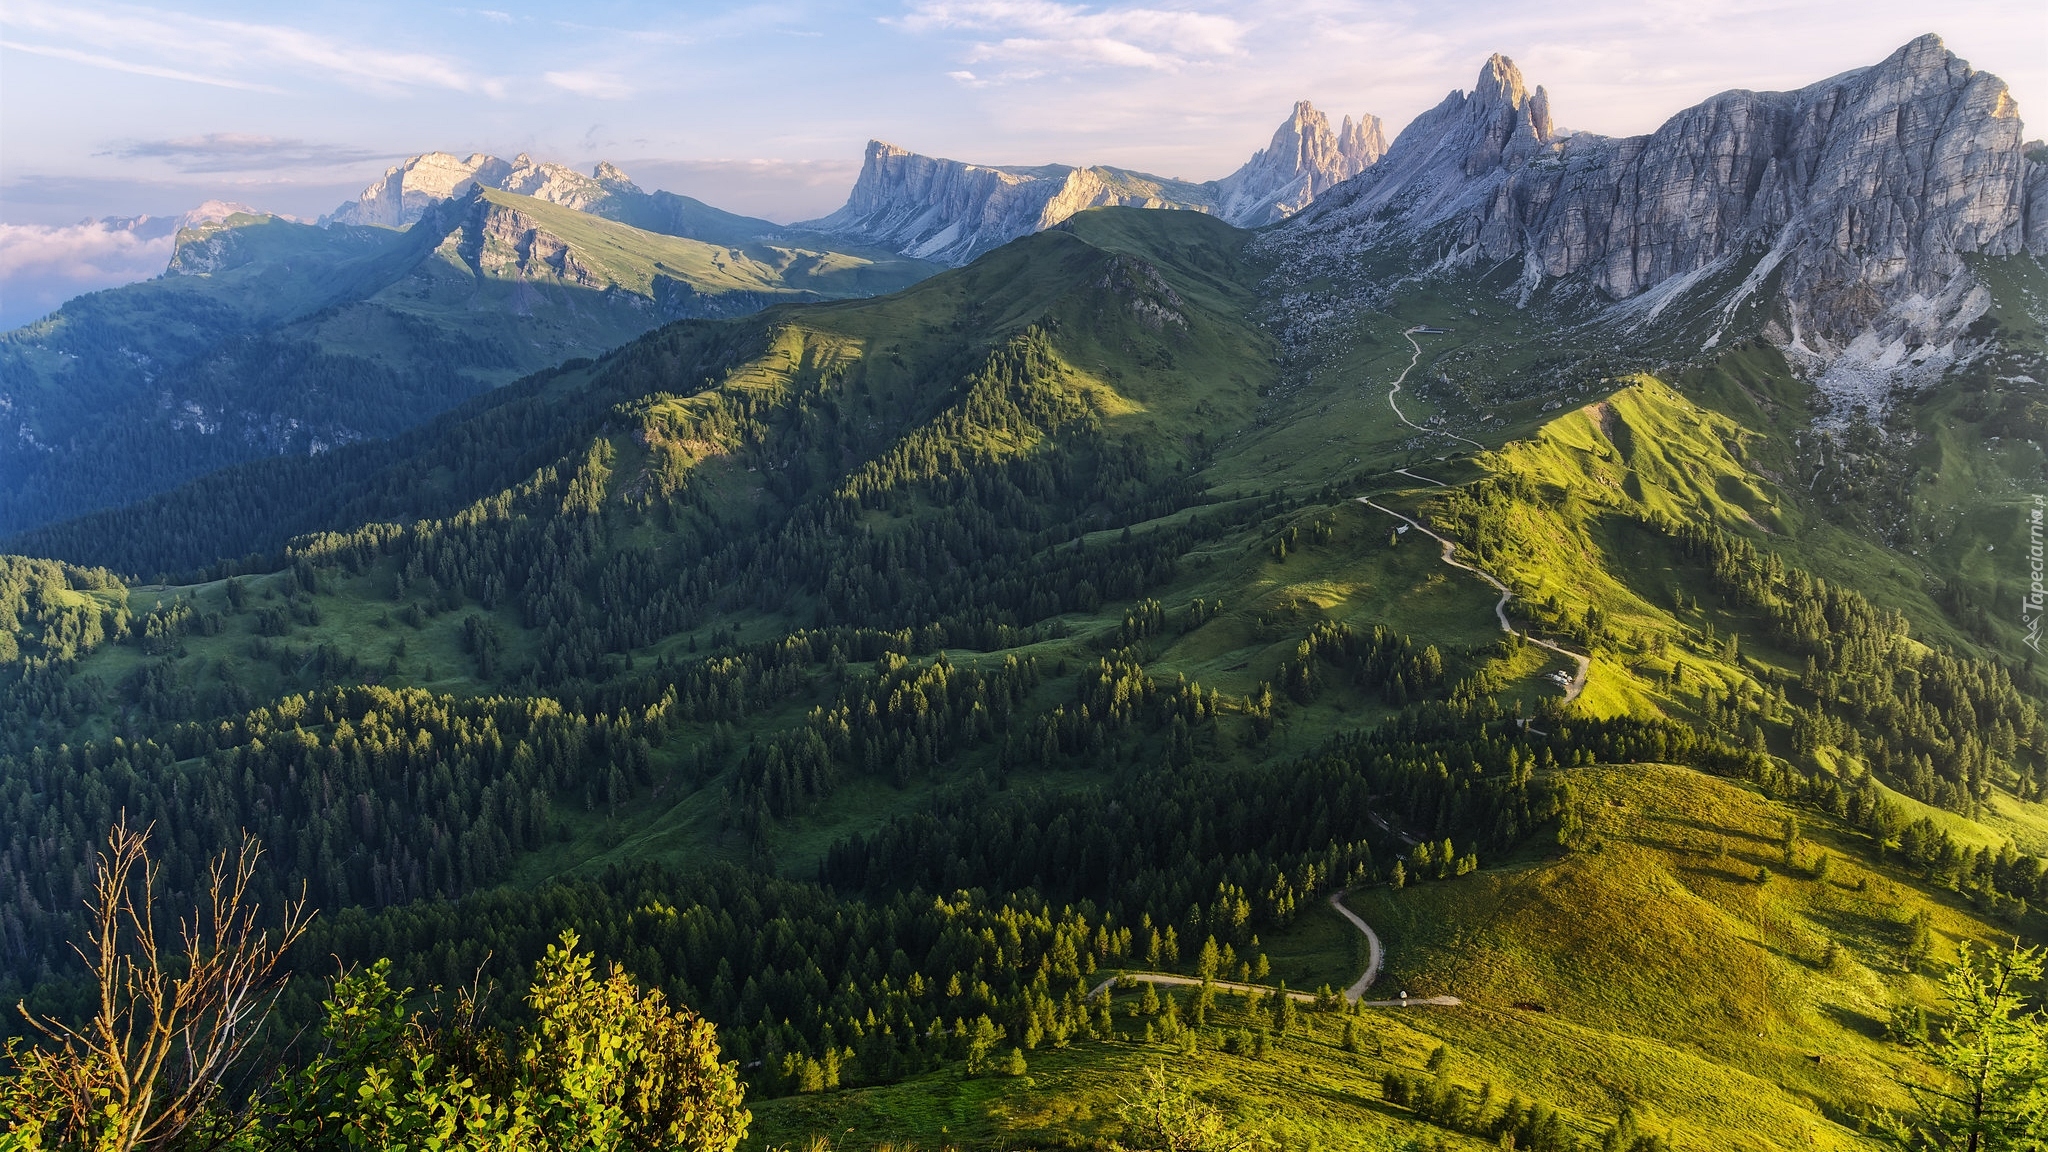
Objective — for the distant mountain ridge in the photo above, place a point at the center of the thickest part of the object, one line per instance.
(952, 211)
(412, 186)
(1835, 218)
(266, 336)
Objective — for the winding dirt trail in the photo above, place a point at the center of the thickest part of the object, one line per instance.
(1409, 336)
(1500, 609)
(1375, 961)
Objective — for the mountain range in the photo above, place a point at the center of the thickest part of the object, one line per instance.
(268, 336)
(1534, 644)
(1845, 212)
(953, 211)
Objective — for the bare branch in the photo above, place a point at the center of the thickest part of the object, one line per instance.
(149, 1062)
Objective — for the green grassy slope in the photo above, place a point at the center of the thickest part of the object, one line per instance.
(273, 337)
(1106, 390)
(1649, 971)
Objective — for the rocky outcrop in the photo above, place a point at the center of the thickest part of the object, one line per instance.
(408, 189)
(950, 211)
(498, 241)
(953, 211)
(1852, 201)
(1304, 160)
(414, 185)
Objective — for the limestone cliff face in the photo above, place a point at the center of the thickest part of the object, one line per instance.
(498, 242)
(1854, 199)
(409, 189)
(1304, 160)
(953, 211)
(950, 211)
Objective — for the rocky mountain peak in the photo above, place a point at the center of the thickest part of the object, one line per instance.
(1304, 159)
(609, 175)
(937, 209)
(1837, 214)
(1500, 83)
(215, 211)
(411, 186)
(1362, 142)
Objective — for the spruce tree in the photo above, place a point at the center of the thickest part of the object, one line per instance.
(1995, 1051)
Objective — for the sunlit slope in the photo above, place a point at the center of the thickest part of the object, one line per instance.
(270, 337)
(710, 430)
(1649, 968)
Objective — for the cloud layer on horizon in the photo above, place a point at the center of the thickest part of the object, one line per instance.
(244, 152)
(42, 267)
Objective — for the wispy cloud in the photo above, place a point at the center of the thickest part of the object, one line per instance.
(95, 60)
(1116, 36)
(241, 152)
(223, 53)
(596, 85)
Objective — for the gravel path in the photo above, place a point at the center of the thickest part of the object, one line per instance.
(1412, 362)
(1500, 609)
(1375, 960)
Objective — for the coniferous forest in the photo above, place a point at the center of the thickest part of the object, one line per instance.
(1056, 704)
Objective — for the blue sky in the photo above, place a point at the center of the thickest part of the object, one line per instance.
(120, 109)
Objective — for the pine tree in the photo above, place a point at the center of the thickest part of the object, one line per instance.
(1996, 1053)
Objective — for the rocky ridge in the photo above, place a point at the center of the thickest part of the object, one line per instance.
(412, 186)
(407, 190)
(1304, 160)
(1842, 210)
(952, 211)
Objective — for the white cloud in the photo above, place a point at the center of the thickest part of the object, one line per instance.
(223, 53)
(596, 85)
(94, 60)
(42, 267)
(1117, 36)
(242, 152)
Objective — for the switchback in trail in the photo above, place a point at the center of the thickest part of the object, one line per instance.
(1375, 960)
(1500, 609)
(1401, 416)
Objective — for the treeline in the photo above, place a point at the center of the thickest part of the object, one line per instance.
(1943, 728)
(47, 615)
(900, 725)
(1381, 660)
(1166, 840)
(808, 990)
(363, 796)
(2000, 881)
(990, 546)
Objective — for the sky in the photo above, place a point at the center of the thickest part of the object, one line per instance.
(763, 108)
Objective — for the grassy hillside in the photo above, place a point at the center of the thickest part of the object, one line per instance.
(268, 337)
(858, 670)
(1649, 970)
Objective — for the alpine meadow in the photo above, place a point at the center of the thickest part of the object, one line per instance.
(1483, 636)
